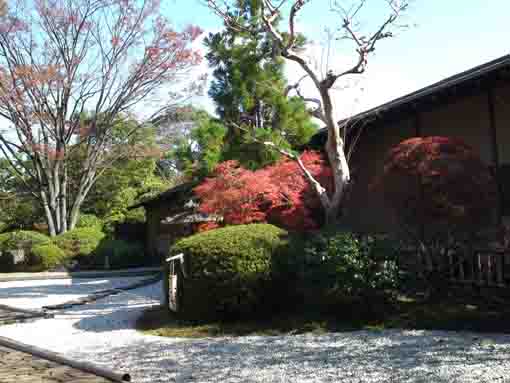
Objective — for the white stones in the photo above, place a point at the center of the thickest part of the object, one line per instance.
(102, 332)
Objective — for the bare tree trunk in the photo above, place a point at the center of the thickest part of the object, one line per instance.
(49, 216)
(335, 149)
(78, 63)
(83, 191)
(63, 201)
(56, 196)
(75, 213)
(286, 45)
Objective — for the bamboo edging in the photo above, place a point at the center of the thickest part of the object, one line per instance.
(33, 313)
(57, 358)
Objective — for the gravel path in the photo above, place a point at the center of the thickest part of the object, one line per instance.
(36, 294)
(102, 333)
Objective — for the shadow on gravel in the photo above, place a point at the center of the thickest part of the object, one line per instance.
(115, 312)
(77, 286)
(383, 357)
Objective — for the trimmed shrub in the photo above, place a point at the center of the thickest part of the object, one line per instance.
(25, 240)
(80, 244)
(228, 269)
(89, 221)
(121, 254)
(46, 257)
(22, 240)
(332, 267)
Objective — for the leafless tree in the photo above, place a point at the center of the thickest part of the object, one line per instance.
(363, 45)
(61, 58)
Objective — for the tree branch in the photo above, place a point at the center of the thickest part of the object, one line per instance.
(319, 189)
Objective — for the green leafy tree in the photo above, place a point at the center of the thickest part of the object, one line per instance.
(18, 208)
(192, 143)
(287, 41)
(130, 180)
(61, 57)
(251, 93)
(197, 154)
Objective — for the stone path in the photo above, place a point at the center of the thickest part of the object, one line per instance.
(20, 367)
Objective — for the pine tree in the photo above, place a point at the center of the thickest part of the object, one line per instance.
(249, 90)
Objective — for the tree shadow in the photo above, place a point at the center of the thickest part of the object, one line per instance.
(115, 312)
(361, 356)
(387, 356)
(25, 294)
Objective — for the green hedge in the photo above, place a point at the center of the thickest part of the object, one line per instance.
(46, 257)
(121, 254)
(26, 240)
(22, 239)
(80, 244)
(89, 221)
(231, 266)
(332, 267)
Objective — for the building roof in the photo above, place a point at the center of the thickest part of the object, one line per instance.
(411, 100)
(171, 193)
(189, 217)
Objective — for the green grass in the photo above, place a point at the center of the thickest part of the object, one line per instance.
(474, 315)
(161, 322)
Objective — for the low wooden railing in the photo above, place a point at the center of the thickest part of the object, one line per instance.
(487, 267)
(483, 267)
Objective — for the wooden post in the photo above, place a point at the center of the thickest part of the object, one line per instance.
(462, 257)
(490, 267)
(450, 266)
(479, 264)
(500, 266)
(166, 285)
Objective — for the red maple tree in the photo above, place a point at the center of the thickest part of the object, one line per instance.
(438, 183)
(278, 194)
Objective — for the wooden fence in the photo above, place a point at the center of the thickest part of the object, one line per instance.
(482, 267)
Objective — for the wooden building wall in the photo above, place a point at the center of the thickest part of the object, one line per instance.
(480, 118)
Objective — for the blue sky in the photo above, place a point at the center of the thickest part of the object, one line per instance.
(445, 37)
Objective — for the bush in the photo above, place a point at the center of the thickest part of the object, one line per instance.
(80, 244)
(22, 239)
(438, 185)
(331, 267)
(46, 257)
(228, 269)
(444, 199)
(25, 240)
(121, 254)
(89, 221)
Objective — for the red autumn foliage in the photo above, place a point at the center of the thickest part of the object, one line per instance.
(438, 183)
(200, 227)
(277, 194)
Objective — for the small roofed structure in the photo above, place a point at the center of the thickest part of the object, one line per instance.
(169, 216)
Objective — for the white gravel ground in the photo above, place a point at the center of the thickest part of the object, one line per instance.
(36, 294)
(102, 332)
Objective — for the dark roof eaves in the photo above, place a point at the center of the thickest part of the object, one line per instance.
(166, 194)
(446, 83)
